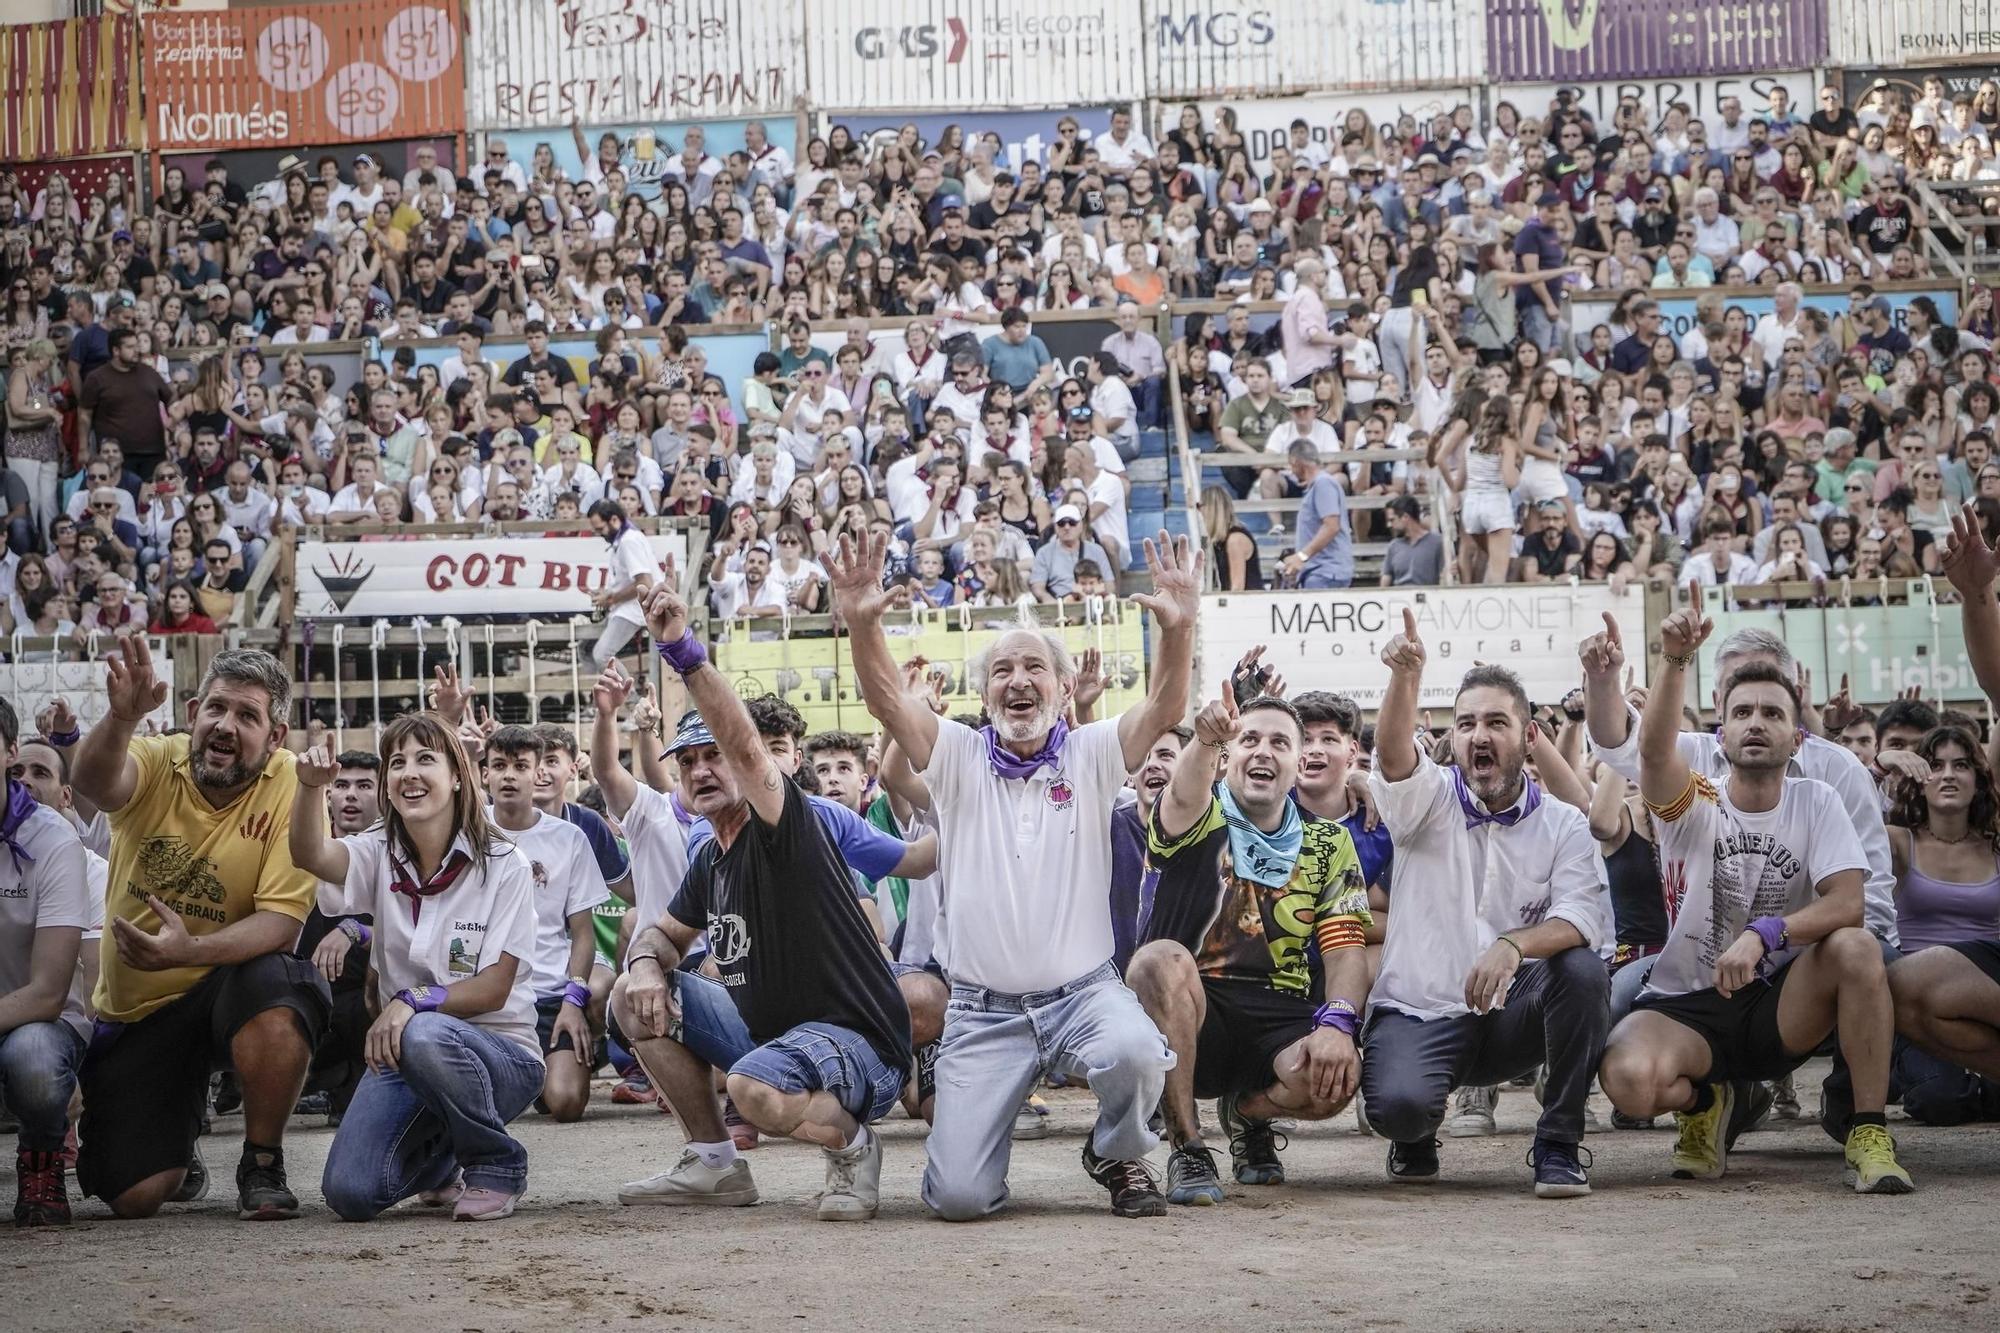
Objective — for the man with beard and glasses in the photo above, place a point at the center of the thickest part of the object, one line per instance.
(338, 947)
(1246, 882)
(202, 909)
(1023, 807)
(805, 1016)
(1490, 967)
(1767, 948)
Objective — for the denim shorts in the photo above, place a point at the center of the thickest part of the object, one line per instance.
(812, 1057)
(825, 1057)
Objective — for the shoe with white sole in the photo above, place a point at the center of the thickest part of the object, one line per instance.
(479, 1204)
(1472, 1114)
(693, 1181)
(853, 1180)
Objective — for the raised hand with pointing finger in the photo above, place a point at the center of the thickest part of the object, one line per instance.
(1404, 655)
(1603, 653)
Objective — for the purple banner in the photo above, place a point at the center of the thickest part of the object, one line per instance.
(1534, 40)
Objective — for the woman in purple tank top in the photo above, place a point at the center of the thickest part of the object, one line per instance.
(1944, 837)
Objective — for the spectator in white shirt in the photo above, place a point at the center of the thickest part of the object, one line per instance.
(1122, 148)
(1718, 563)
(1716, 237)
(302, 329)
(1106, 494)
(497, 160)
(1114, 414)
(248, 509)
(764, 479)
(768, 162)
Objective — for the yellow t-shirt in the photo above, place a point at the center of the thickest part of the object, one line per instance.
(214, 867)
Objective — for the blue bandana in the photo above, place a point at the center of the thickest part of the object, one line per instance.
(1263, 858)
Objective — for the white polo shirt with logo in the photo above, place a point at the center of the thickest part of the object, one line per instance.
(1025, 862)
(451, 937)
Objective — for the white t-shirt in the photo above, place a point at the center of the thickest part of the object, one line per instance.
(658, 843)
(631, 556)
(788, 585)
(1026, 863)
(450, 937)
(567, 881)
(1458, 888)
(1819, 759)
(734, 596)
(46, 893)
(1364, 358)
(1110, 527)
(1733, 867)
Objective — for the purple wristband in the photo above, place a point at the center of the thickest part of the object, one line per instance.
(1771, 930)
(424, 999)
(63, 740)
(684, 654)
(356, 932)
(1336, 1014)
(576, 993)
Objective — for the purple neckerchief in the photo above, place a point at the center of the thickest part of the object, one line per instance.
(1531, 797)
(1007, 764)
(20, 804)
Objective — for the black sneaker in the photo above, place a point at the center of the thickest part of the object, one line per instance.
(1619, 1120)
(228, 1097)
(1192, 1177)
(314, 1103)
(1414, 1163)
(195, 1183)
(1133, 1193)
(261, 1192)
(1253, 1145)
(1836, 1103)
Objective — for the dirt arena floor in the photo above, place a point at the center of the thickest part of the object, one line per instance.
(1780, 1244)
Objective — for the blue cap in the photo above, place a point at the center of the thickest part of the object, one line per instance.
(691, 731)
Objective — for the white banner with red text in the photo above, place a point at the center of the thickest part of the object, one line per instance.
(481, 576)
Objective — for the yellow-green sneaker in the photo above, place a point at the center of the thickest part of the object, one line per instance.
(1871, 1162)
(1700, 1153)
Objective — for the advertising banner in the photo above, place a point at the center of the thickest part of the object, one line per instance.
(1219, 48)
(1882, 650)
(1703, 96)
(69, 89)
(1559, 40)
(645, 150)
(815, 676)
(535, 63)
(318, 74)
(1024, 135)
(1267, 121)
(1678, 309)
(1960, 80)
(482, 576)
(1334, 640)
(1901, 32)
(978, 55)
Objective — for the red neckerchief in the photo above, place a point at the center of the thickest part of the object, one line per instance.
(403, 881)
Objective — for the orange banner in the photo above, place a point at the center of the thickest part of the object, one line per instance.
(349, 73)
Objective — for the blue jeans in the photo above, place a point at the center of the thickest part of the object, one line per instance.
(444, 1108)
(812, 1057)
(1538, 326)
(996, 1046)
(1146, 395)
(38, 1064)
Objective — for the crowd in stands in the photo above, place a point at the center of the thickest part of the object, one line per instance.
(1425, 272)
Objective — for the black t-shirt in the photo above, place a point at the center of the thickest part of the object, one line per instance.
(1552, 561)
(787, 933)
(1886, 225)
(1834, 127)
(524, 368)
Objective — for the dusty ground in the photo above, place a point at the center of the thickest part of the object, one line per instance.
(1780, 1244)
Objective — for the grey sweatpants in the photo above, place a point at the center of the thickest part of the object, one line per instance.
(1556, 1015)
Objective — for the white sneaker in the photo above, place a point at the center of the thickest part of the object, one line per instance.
(693, 1181)
(853, 1180)
(1472, 1113)
(1030, 1121)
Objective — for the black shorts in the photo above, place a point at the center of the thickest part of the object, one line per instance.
(1985, 955)
(145, 1084)
(1741, 1031)
(546, 1009)
(1245, 1028)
